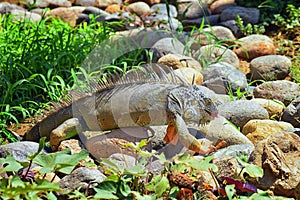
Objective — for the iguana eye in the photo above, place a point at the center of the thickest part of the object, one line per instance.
(207, 102)
(189, 113)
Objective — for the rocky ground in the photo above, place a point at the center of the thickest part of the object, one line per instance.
(249, 80)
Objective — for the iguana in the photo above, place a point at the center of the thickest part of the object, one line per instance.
(152, 96)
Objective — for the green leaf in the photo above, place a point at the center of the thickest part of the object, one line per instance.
(251, 169)
(138, 170)
(103, 194)
(11, 165)
(16, 182)
(41, 146)
(230, 191)
(124, 189)
(159, 185)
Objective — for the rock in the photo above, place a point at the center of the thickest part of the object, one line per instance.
(84, 2)
(95, 11)
(279, 157)
(191, 75)
(52, 3)
(228, 167)
(292, 113)
(246, 111)
(282, 90)
(274, 108)
(257, 130)
(235, 150)
(270, 67)
(23, 14)
(165, 46)
(7, 7)
(223, 78)
(161, 9)
(248, 15)
(218, 6)
(254, 46)
(163, 22)
(156, 167)
(190, 9)
(231, 24)
(81, 177)
(121, 159)
(215, 53)
(20, 150)
(69, 15)
(50, 176)
(211, 20)
(208, 35)
(149, 2)
(105, 3)
(83, 18)
(220, 129)
(113, 8)
(177, 61)
(139, 8)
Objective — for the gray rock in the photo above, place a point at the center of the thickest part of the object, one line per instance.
(190, 9)
(270, 67)
(231, 24)
(228, 167)
(140, 8)
(292, 113)
(249, 15)
(51, 3)
(282, 90)
(235, 150)
(240, 112)
(223, 78)
(163, 21)
(20, 150)
(122, 160)
(84, 2)
(165, 46)
(7, 7)
(95, 11)
(214, 53)
(208, 20)
(219, 6)
(155, 167)
(161, 9)
(105, 3)
(81, 177)
(23, 14)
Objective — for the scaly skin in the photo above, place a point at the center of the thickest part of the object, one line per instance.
(133, 105)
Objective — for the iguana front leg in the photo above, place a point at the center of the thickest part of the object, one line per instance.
(179, 129)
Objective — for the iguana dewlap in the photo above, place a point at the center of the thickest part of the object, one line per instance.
(147, 98)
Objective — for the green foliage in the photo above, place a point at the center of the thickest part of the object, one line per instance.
(251, 169)
(249, 29)
(290, 23)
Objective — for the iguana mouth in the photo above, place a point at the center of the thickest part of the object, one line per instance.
(214, 115)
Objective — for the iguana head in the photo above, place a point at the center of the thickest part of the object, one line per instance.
(195, 106)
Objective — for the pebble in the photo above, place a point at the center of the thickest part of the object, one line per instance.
(246, 111)
(254, 46)
(177, 61)
(223, 78)
(270, 67)
(139, 8)
(7, 7)
(248, 15)
(208, 20)
(84, 2)
(161, 9)
(191, 9)
(274, 107)
(105, 3)
(218, 6)
(52, 3)
(192, 76)
(23, 14)
(235, 150)
(228, 167)
(291, 113)
(124, 160)
(282, 90)
(257, 130)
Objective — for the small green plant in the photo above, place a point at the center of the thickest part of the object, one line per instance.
(250, 29)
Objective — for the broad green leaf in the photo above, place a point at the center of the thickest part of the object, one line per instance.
(16, 182)
(41, 146)
(251, 169)
(11, 165)
(230, 191)
(159, 185)
(138, 170)
(123, 188)
(103, 194)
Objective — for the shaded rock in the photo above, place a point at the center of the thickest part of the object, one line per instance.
(161, 9)
(223, 78)
(190, 9)
(246, 111)
(19, 150)
(177, 61)
(50, 176)
(155, 167)
(218, 6)
(208, 20)
(215, 53)
(165, 46)
(279, 157)
(139, 8)
(81, 177)
(282, 90)
(192, 76)
(274, 108)
(23, 14)
(84, 2)
(292, 113)
(257, 130)
(95, 11)
(82, 18)
(235, 150)
(163, 21)
(254, 46)
(220, 129)
(105, 3)
(69, 15)
(249, 15)
(113, 8)
(270, 67)
(231, 24)
(228, 167)
(122, 160)
(208, 35)
(52, 3)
